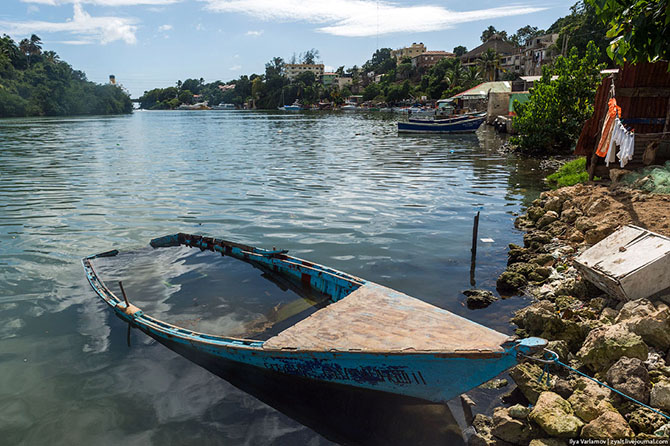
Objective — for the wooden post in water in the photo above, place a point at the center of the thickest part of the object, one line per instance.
(473, 250)
(125, 298)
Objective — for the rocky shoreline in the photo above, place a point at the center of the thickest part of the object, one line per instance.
(625, 344)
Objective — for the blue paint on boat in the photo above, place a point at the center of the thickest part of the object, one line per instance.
(458, 126)
(431, 375)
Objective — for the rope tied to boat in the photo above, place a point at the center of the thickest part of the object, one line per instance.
(551, 357)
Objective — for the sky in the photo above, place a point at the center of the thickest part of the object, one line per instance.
(152, 43)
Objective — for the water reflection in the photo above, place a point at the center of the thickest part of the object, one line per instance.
(341, 414)
(343, 190)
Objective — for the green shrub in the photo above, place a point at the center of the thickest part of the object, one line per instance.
(569, 174)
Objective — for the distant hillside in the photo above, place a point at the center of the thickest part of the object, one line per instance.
(37, 83)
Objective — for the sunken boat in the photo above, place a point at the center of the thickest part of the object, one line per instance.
(367, 336)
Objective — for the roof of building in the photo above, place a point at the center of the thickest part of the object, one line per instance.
(482, 90)
(496, 43)
(434, 53)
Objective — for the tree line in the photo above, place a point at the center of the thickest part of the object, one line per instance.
(34, 82)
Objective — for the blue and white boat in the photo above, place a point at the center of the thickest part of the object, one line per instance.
(367, 336)
(457, 126)
(452, 118)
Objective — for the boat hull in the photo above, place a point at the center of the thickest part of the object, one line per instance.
(433, 375)
(458, 126)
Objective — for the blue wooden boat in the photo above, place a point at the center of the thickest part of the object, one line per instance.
(457, 126)
(453, 118)
(368, 336)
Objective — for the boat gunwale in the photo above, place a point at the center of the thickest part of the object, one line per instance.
(148, 323)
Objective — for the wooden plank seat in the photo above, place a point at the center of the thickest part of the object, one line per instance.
(378, 319)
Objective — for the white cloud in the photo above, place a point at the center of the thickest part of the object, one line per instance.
(33, 9)
(165, 28)
(357, 18)
(100, 29)
(254, 33)
(104, 2)
(235, 68)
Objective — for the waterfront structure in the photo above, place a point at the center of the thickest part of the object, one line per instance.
(427, 59)
(292, 70)
(329, 78)
(409, 51)
(405, 346)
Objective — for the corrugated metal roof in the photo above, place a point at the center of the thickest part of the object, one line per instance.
(482, 90)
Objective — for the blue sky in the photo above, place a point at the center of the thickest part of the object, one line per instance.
(152, 43)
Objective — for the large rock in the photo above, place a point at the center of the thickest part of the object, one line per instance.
(483, 435)
(510, 282)
(554, 415)
(644, 420)
(535, 212)
(590, 400)
(548, 217)
(609, 425)
(479, 298)
(593, 236)
(605, 345)
(526, 375)
(542, 319)
(630, 376)
(650, 322)
(570, 215)
(511, 429)
(555, 204)
(518, 254)
(584, 224)
(535, 239)
(660, 395)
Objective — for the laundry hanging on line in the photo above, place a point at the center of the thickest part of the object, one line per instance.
(612, 113)
(625, 139)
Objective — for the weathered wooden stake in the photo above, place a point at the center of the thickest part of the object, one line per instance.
(473, 259)
(125, 298)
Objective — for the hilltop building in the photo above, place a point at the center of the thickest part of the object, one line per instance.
(410, 51)
(292, 70)
(496, 42)
(429, 58)
(537, 52)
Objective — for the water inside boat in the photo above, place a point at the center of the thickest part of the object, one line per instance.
(206, 292)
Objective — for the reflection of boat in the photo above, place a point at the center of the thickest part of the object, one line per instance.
(458, 126)
(343, 415)
(368, 336)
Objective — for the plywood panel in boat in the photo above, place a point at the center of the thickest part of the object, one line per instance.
(377, 319)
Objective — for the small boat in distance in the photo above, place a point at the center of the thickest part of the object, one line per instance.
(457, 126)
(223, 106)
(364, 335)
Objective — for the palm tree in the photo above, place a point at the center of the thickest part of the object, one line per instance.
(489, 62)
(472, 75)
(454, 76)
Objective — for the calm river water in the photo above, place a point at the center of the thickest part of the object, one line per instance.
(339, 189)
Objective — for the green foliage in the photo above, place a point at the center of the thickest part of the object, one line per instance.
(640, 29)
(36, 83)
(579, 28)
(551, 120)
(569, 174)
(526, 34)
(460, 50)
(381, 62)
(490, 31)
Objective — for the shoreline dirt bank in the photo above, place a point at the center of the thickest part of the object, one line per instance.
(625, 344)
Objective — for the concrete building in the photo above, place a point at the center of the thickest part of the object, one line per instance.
(537, 52)
(344, 81)
(409, 51)
(329, 78)
(292, 70)
(430, 58)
